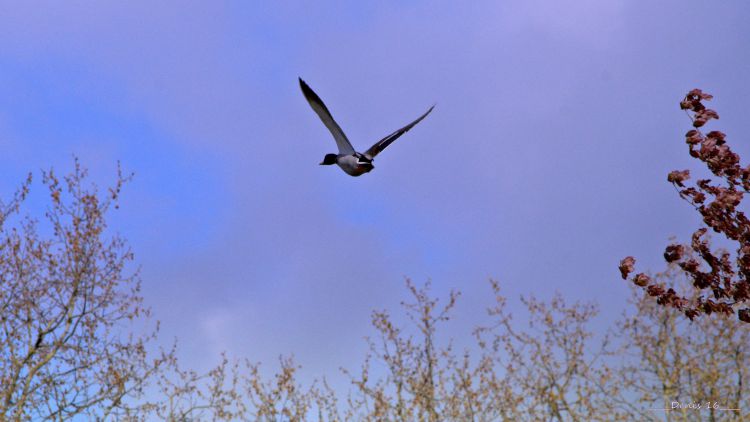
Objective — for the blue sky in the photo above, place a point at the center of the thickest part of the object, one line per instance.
(543, 164)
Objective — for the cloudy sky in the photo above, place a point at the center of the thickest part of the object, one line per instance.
(543, 164)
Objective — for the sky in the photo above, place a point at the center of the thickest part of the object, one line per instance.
(542, 165)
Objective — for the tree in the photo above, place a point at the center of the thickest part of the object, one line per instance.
(549, 369)
(665, 359)
(417, 369)
(554, 368)
(547, 365)
(721, 278)
(68, 303)
(65, 298)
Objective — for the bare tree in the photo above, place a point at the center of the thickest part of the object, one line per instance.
(550, 368)
(185, 395)
(415, 366)
(66, 300)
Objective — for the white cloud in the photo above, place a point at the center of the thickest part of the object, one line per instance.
(217, 328)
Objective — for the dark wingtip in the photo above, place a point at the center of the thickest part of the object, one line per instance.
(309, 93)
(429, 110)
(303, 84)
(311, 96)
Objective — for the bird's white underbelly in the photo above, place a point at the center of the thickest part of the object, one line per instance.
(351, 165)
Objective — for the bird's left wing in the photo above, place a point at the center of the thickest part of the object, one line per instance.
(383, 143)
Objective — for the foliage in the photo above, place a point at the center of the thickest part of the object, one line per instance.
(721, 278)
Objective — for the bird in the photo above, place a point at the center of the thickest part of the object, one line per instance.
(350, 161)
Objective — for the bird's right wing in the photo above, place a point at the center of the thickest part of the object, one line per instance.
(345, 147)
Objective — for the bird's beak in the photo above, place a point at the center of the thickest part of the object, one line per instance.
(321, 163)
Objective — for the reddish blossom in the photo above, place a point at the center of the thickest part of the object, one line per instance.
(626, 266)
(721, 281)
(677, 177)
(641, 280)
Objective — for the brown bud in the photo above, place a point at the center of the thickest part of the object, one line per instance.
(691, 313)
(693, 137)
(655, 290)
(677, 177)
(641, 280)
(719, 136)
(673, 253)
(626, 266)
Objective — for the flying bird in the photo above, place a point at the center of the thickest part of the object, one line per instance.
(352, 162)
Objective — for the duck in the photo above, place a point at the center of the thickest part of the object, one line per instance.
(350, 161)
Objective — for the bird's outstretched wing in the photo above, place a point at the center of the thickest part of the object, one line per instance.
(381, 144)
(345, 147)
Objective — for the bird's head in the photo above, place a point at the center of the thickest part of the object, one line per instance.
(329, 159)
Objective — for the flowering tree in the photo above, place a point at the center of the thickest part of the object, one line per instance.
(721, 278)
